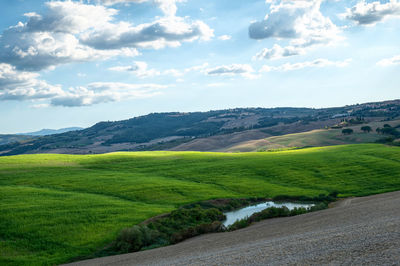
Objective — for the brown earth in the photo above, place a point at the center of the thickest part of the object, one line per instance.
(357, 231)
(224, 142)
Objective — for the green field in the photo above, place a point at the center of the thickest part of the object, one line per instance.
(56, 208)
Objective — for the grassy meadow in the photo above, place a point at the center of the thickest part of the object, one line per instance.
(57, 208)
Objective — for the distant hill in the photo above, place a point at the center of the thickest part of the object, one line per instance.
(23, 137)
(46, 131)
(200, 131)
(10, 138)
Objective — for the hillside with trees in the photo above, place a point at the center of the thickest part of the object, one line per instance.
(197, 130)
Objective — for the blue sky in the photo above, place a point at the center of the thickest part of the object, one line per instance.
(75, 63)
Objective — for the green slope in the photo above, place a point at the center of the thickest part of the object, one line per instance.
(314, 138)
(54, 208)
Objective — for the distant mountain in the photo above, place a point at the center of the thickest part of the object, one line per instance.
(200, 131)
(23, 137)
(45, 132)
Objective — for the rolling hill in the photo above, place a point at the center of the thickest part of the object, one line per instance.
(57, 208)
(314, 138)
(201, 131)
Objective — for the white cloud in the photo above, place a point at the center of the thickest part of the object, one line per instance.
(45, 41)
(318, 63)
(104, 92)
(169, 31)
(197, 68)
(180, 73)
(35, 51)
(20, 85)
(244, 70)
(224, 37)
(277, 52)
(40, 105)
(9, 76)
(113, 2)
(168, 7)
(364, 13)
(393, 61)
(299, 21)
(173, 72)
(70, 17)
(139, 68)
(76, 32)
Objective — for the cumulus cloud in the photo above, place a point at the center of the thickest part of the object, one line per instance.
(299, 21)
(20, 85)
(104, 92)
(69, 17)
(277, 52)
(35, 51)
(244, 70)
(76, 32)
(139, 68)
(364, 13)
(393, 61)
(169, 31)
(168, 7)
(48, 40)
(318, 63)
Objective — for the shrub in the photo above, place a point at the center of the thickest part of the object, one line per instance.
(366, 129)
(242, 223)
(319, 206)
(347, 131)
(320, 198)
(135, 238)
(215, 226)
(175, 227)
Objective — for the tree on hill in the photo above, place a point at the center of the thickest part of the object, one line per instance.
(390, 131)
(366, 129)
(386, 126)
(347, 131)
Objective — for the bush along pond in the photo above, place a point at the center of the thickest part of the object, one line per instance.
(246, 212)
(211, 216)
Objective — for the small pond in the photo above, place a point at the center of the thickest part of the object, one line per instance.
(233, 216)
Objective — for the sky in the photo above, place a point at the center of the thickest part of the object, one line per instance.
(75, 63)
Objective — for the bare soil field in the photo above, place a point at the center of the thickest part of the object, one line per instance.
(356, 231)
(225, 142)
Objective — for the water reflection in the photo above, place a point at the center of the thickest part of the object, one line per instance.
(233, 216)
